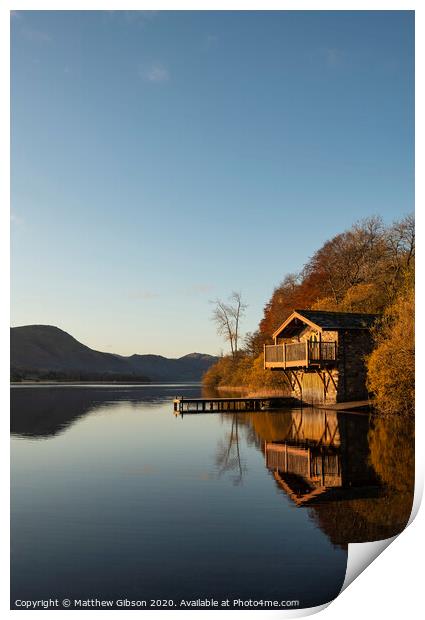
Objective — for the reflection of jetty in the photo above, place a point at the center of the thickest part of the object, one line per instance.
(214, 405)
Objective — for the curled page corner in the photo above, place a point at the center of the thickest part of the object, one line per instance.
(417, 497)
(360, 555)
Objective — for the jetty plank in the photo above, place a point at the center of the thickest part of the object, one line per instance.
(212, 405)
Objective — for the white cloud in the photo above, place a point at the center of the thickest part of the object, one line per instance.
(200, 288)
(210, 41)
(15, 219)
(144, 294)
(156, 73)
(38, 36)
(334, 56)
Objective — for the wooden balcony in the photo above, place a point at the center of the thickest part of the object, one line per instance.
(300, 354)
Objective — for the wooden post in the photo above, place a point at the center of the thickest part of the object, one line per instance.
(320, 349)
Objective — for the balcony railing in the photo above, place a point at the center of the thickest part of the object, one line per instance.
(299, 354)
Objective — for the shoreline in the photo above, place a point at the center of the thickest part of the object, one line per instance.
(251, 393)
(361, 406)
(100, 382)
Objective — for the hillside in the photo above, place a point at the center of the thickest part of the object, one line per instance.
(47, 352)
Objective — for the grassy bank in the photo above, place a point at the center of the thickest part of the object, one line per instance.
(246, 373)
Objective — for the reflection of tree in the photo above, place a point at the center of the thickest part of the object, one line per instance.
(392, 445)
(392, 454)
(228, 456)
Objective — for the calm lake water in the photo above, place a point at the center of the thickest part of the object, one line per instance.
(113, 497)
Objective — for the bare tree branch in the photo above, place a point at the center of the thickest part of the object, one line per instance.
(227, 317)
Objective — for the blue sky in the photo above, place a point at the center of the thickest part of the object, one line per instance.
(163, 159)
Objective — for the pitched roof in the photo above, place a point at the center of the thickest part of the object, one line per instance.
(339, 320)
(325, 320)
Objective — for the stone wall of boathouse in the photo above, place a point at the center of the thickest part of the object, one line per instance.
(347, 381)
(353, 348)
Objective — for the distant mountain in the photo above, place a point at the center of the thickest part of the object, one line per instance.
(47, 352)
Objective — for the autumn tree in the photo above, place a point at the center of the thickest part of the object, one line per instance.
(359, 270)
(254, 343)
(391, 365)
(350, 259)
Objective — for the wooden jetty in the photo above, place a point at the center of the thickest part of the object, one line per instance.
(262, 403)
(215, 405)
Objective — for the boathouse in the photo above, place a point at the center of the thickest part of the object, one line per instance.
(323, 354)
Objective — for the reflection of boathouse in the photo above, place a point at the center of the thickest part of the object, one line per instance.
(353, 474)
(322, 456)
(322, 354)
(317, 468)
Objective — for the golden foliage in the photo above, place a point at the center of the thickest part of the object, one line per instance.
(245, 371)
(366, 297)
(391, 365)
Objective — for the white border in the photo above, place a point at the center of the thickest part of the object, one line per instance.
(392, 585)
